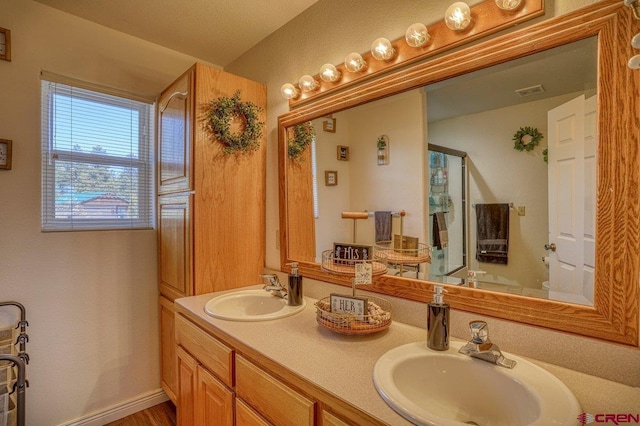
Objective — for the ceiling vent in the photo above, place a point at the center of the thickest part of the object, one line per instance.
(528, 91)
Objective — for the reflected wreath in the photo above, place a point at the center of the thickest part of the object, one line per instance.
(526, 139)
(303, 135)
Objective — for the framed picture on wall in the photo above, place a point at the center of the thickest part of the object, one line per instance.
(329, 125)
(343, 153)
(330, 178)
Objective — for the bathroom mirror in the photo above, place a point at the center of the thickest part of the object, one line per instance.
(448, 147)
(614, 311)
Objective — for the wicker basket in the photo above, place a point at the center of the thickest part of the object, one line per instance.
(404, 256)
(347, 267)
(378, 319)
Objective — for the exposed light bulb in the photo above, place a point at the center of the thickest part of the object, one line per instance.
(307, 83)
(329, 73)
(508, 4)
(354, 62)
(635, 41)
(289, 91)
(417, 35)
(382, 50)
(458, 16)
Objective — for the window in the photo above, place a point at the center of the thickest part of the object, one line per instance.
(97, 163)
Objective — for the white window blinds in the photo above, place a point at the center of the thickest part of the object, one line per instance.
(97, 162)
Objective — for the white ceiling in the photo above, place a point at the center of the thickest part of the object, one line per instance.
(220, 31)
(566, 69)
(217, 31)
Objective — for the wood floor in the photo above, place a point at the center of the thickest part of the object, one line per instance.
(159, 415)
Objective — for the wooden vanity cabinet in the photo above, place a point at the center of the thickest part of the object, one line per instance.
(216, 372)
(211, 205)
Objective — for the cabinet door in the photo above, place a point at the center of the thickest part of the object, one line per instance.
(174, 245)
(168, 357)
(187, 388)
(175, 135)
(215, 401)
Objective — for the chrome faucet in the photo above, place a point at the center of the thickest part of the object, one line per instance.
(481, 347)
(273, 285)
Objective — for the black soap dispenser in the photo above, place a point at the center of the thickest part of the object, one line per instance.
(438, 321)
(294, 292)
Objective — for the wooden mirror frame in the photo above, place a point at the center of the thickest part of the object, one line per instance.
(614, 316)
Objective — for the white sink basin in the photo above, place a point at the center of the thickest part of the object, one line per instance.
(447, 388)
(250, 305)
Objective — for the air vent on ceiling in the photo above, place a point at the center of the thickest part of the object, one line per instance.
(528, 91)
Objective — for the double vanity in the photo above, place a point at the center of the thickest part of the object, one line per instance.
(280, 367)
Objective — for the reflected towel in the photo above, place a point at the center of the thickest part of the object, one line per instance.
(383, 225)
(440, 233)
(492, 233)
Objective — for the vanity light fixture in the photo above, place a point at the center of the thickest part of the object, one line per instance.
(289, 91)
(508, 4)
(634, 62)
(329, 73)
(420, 41)
(308, 83)
(382, 49)
(458, 16)
(354, 62)
(635, 41)
(417, 35)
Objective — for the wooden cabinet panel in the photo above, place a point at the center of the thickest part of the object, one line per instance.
(168, 357)
(174, 134)
(212, 354)
(187, 387)
(174, 245)
(277, 402)
(215, 401)
(246, 416)
(230, 191)
(329, 419)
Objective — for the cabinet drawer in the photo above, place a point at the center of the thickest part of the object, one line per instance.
(277, 402)
(214, 356)
(329, 419)
(246, 416)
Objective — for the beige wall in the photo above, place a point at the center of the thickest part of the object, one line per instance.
(91, 297)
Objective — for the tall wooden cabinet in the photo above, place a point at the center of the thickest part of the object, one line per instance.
(211, 205)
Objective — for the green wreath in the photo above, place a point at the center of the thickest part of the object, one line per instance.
(219, 114)
(526, 138)
(303, 135)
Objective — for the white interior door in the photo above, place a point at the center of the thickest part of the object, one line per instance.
(566, 195)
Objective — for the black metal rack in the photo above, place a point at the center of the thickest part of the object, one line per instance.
(19, 361)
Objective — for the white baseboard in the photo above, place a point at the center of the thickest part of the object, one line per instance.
(119, 411)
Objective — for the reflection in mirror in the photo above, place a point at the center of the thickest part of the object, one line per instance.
(447, 191)
(450, 157)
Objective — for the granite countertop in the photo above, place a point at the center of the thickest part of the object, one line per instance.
(343, 365)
